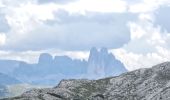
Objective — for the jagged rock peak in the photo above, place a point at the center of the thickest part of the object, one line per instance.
(93, 54)
(94, 51)
(104, 50)
(45, 58)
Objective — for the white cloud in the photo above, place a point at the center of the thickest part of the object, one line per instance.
(26, 19)
(148, 45)
(32, 56)
(102, 6)
(2, 39)
(28, 56)
(24, 16)
(27, 16)
(134, 61)
(147, 6)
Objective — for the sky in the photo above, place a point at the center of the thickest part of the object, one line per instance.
(137, 32)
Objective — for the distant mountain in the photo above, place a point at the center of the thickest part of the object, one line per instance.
(8, 80)
(101, 63)
(7, 66)
(143, 84)
(50, 70)
(45, 59)
(5, 81)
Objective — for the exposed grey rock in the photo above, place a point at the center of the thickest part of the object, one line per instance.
(143, 84)
(45, 58)
(101, 64)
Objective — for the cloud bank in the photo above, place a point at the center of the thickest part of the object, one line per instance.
(70, 26)
(137, 32)
(149, 43)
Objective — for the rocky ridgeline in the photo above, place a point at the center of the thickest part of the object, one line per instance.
(143, 84)
(51, 70)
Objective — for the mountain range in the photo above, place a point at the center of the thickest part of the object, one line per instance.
(50, 70)
(142, 84)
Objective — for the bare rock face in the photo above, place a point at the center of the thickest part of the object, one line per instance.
(143, 84)
(101, 64)
(45, 58)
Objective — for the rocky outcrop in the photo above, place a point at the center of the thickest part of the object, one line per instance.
(101, 64)
(45, 58)
(143, 84)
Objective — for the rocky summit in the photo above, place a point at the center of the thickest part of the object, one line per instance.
(143, 84)
(102, 63)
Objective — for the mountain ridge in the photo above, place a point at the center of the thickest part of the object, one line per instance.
(100, 64)
(142, 84)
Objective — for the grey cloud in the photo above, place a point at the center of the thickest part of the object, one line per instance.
(4, 27)
(55, 1)
(133, 1)
(162, 18)
(78, 32)
(101, 18)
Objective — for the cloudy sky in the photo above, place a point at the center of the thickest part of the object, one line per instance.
(136, 31)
